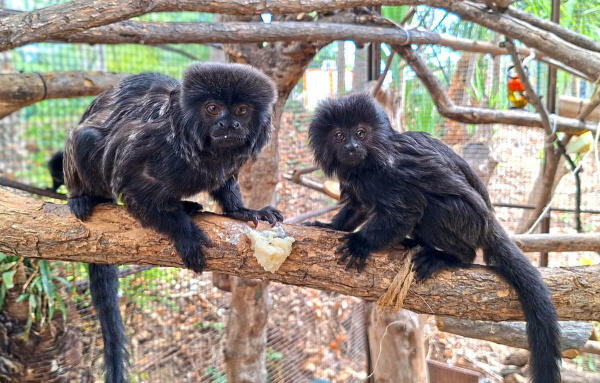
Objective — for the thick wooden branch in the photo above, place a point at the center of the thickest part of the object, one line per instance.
(478, 115)
(550, 26)
(535, 37)
(35, 229)
(67, 19)
(18, 90)
(157, 33)
(75, 16)
(574, 335)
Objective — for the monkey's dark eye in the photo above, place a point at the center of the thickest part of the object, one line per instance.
(240, 110)
(360, 133)
(213, 109)
(339, 136)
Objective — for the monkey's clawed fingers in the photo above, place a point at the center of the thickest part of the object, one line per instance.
(267, 213)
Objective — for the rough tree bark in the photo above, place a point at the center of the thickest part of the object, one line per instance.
(75, 16)
(246, 329)
(36, 229)
(574, 335)
(18, 90)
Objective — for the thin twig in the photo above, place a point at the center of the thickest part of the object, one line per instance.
(530, 94)
(31, 189)
(311, 214)
(169, 48)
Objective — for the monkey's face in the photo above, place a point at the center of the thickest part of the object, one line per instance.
(227, 124)
(350, 143)
(232, 105)
(349, 132)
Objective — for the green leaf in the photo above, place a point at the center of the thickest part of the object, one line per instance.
(7, 278)
(2, 295)
(46, 278)
(22, 297)
(7, 266)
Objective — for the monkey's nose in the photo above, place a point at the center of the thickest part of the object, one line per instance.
(221, 124)
(236, 125)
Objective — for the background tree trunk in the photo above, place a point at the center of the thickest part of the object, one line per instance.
(246, 345)
(398, 354)
(341, 68)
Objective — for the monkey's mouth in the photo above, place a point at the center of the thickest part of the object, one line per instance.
(351, 159)
(228, 140)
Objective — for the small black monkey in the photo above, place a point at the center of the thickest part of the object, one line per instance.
(55, 165)
(151, 141)
(400, 185)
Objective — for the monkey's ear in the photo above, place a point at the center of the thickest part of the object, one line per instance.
(264, 133)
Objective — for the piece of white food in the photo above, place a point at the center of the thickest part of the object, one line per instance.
(271, 247)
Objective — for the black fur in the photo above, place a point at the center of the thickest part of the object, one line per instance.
(152, 141)
(55, 165)
(400, 185)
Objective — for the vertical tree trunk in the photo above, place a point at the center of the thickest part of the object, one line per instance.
(341, 68)
(359, 76)
(246, 330)
(397, 347)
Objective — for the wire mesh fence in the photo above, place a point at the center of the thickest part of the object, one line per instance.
(176, 320)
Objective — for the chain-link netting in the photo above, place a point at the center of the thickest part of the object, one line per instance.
(176, 320)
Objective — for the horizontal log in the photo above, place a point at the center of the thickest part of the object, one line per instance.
(574, 335)
(36, 229)
(75, 16)
(557, 242)
(18, 90)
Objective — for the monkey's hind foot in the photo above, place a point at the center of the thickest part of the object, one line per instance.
(429, 261)
(190, 250)
(83, 205)
(191, 207)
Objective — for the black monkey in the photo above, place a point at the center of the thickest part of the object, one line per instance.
(400, 185)
(55, 165)
(151, 141)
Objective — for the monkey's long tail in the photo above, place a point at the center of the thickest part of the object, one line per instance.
(104, 287)
(542, 322)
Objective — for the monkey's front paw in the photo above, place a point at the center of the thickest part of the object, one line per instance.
(355, 249)
(191, 252)
(191, 207)
(318, 224)
(267, 213)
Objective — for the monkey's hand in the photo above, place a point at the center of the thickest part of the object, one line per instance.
(319, 224)
(190, 249)
(355, 250)
(191, 207)
(267, 213)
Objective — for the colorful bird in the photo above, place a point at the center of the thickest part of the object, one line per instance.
(516, 90)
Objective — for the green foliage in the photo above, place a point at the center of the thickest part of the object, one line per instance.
(586, 362)
(41, 291)
(144, 288)
(215, 375)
